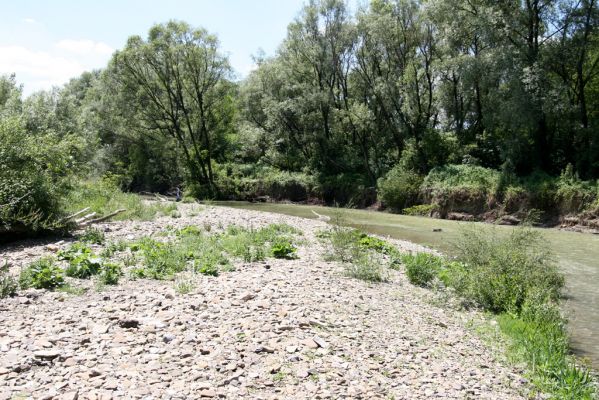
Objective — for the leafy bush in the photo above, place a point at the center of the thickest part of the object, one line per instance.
(34, 177)
(422, 268)
(110, 273)
(367, 266)
(283, 249)
(400, 188)
(93, 235)
(503, 271)
(420, 210)
(8, 284)
(84, 266)
(41, 274)
(161, 260)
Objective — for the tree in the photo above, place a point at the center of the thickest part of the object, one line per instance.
(175, 83)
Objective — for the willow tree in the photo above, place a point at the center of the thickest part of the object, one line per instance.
(176, 84)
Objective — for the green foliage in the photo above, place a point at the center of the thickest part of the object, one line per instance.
(516, 278)
(363, 256)
(84, 265)
(160, 260)
(451, 178)
(502, 272)
(8, 284)
(422, 268)
(400, 188)
(41, 274)
(104, 198)
(93, 235)
(420, 210)
(543, 346)
(110, 273)
(283, 249)
(367, 266)
(34, 176)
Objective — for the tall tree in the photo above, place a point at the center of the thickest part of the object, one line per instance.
(176, 84)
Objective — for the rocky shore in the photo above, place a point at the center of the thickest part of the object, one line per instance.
(277, 329)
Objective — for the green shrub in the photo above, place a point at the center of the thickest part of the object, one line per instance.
(8, 284)
(35, 174)
(84, 266)
(503, 271)
(41, 274)
(400, 188)
(422, 210)
(367, 266)
(422, 268)
(93, 235)
(160, 260)
(283, 249)
(110, 273)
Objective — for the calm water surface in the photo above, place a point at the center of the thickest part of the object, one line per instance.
(578, 255)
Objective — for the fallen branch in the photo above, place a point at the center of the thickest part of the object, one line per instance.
(84, 218)
(104, 218)
(78, 213)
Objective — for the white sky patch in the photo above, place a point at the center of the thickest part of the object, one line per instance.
(85, 47)
(41, 70)
(29, 20)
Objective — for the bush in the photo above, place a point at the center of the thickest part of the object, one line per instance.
(110, 273)
(34, 177)
(422, 210)
(41, 274)
(422, 268)
(8, 284)
(84, 266)
(283, 249)
(93, 235)
(503, 272)
(367, 266)
(400, 188)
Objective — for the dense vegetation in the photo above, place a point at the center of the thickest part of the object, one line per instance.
(515, 279)
(439, 104)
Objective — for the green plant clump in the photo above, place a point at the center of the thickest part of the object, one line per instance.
(283, 249)
(516, 278)
(8, 284)
(422, 268)
(110, 273)
(41, 274)
(93, 235)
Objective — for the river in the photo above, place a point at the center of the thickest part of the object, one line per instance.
(577, 254)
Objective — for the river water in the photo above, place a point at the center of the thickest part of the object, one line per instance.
(577, 253)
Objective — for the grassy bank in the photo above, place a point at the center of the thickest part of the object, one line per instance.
(517, 281)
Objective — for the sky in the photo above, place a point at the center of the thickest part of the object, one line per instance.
(46, 43)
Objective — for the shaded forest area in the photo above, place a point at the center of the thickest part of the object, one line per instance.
(459, 109)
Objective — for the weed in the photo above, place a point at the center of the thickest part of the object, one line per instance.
(110, 273)
(184, 285)
(422, 268)
(283, 249)
(8, 284)
(72, 290)
(41, 274)
(93, 235)
(367, 266)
